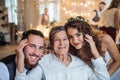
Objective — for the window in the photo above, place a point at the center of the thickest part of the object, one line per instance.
(12, 7)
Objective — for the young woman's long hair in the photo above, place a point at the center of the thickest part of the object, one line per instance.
(83, 27)
(114, 4)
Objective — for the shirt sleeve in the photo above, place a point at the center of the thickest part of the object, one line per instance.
(34, 74)
(99, 71)
(4, 73)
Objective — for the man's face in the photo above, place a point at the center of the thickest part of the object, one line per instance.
(101, 7)
(34, 50)
(46, 11)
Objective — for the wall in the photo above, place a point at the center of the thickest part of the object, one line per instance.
(2, 2)
(29, 11)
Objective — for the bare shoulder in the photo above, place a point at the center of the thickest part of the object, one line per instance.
(107, 39)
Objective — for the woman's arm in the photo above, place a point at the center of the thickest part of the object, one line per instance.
(114, 53)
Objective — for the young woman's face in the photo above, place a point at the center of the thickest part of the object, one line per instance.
(76, 38)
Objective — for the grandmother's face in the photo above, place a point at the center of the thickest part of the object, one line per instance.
(61, 43)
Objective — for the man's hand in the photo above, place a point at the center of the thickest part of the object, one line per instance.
(20, 55)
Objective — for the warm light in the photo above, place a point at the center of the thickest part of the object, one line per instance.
(89, 3)
(69, 12)
(73, 4)
(93, 3)
(77, 14)
(64, 9)
(71, 8)
(81, 4)
(66, 12)
(85, 5)
(45, 30)
(63, 0)
(88, 14)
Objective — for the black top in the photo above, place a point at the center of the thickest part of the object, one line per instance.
(96, 18)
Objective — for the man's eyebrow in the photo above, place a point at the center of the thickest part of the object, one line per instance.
(32, 44)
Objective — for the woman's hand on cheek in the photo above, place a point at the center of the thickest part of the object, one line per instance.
(93, 48)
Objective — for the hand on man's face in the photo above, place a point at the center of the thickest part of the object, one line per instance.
(20, 47)
(33, 51)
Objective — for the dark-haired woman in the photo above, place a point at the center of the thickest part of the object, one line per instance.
(87, 44)
(84, 43)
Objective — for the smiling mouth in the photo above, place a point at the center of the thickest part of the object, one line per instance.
(76, 44)
(34, 56)
(61, 47)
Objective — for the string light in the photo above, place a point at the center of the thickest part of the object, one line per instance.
(77, 8)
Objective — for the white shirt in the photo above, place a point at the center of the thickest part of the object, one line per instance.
(107, 18)
(51, 68)
(4, 73)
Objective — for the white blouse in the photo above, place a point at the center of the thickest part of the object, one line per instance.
(107, 18)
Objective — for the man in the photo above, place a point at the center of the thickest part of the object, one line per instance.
(32, 48)
(44, 19)
(95, 15)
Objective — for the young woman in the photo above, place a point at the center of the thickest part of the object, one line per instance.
(83, 42)
(111, 53)
(88, 45)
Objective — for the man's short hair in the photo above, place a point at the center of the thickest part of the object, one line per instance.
(26, 34)
(102, 3)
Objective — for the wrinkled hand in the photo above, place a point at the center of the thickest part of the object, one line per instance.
(93, 48)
